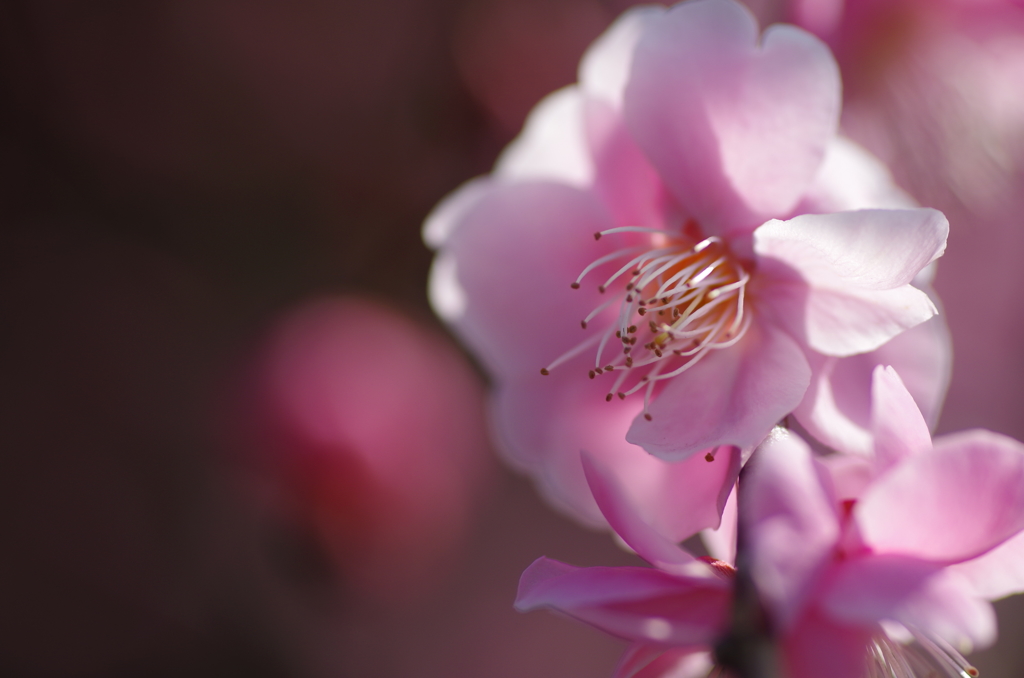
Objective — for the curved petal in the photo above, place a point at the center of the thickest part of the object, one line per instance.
(866, 249)
(953, 504)
(605, 66)
(791, 521)
(837, 407)
(448, 213)
(553, 144)
(998, 573)
(643, 660)
(737, 129)
(542, 424)
(721, 542)
(636, 603)
(730, 397)
(916, 593)
(653, 547)
(818, 646)
(897, 425)
(513, 257)
(851, 178)
(841, 281)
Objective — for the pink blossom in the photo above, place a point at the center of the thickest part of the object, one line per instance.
(904, 537)
(860, 562)
(724, 280)
(381, 461)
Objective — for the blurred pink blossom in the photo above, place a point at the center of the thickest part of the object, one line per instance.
(682, 143)
(860, 562)
(370, 430)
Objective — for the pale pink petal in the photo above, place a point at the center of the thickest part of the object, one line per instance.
(837, 407)
(630, 602)
(721, 542)
(605, 66)
(513, 257)
(623, 518)
(675, 499)
(737, 129)
(897, 425)
(791, 522)
(872, 249)
(953, 504)
(624, 180)
(916, 593)
(998, 573)
(730, 397)
(840, 281)
(851, 178)
(643, 660)
(448, 213)
(818, 646)
(851, 474)
(552, 145)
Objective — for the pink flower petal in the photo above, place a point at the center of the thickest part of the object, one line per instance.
(643, 660)
(850, 178)
(514, 255)
(675, 499)
(953, 504)
(653, 547)
(916, 593)
(738, 130)
(792, 523)
(630, 602)
(841, 281)
(730, 397)
(998, 573)
(721, 542)
(818, 646)
(448, 213)
(552, 145)
(604, 68)
(837, 407)
(867, 249)
(899, 429)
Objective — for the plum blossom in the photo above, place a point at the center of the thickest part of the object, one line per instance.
(690, 190)
(867, 566)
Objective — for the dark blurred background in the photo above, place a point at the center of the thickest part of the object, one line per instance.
(209, 230)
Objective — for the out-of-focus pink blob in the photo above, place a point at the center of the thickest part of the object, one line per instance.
(371, 428)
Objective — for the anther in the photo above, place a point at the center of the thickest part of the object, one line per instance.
(709, 457)
(583, 324)
(574, 285)
(544, 371)
(629, 361)
(601, 288)
(622, 396)
(608, 398)
(647, 416)
(641, 311)
(599, 370)
(631, 329)
(593, 374)
(597, 236)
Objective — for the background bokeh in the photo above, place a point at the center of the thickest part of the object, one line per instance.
(233, 438)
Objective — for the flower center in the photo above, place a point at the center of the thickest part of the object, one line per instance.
(679, 297)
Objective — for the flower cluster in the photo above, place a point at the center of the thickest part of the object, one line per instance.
(677, 254)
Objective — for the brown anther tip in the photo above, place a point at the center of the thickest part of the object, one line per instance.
(574, 285)
(973, 672)
(641, 310)
(622, 396)
(601, 288)
(599, 370)
(631, 329)
(583, 324)
(544, 371)
(609, 368)
(643, 303)
(593, 374)
(629, 298)
(608, 398)
(709, 457)
(629, 286)
(597, 236)
(647, 416)
(618, 334)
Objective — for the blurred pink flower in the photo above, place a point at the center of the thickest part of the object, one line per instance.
(860, 563)
(380, 458)
(683, 142)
